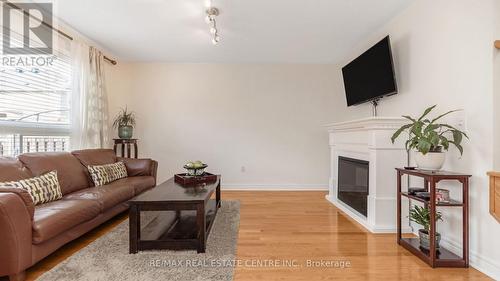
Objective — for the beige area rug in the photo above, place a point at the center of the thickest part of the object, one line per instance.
(108, 259)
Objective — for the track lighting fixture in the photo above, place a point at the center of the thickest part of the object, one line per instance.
(211, 20)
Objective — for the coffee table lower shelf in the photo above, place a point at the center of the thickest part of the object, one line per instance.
(444, 257)
(175, 229)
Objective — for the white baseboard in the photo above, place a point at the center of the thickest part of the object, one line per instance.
(274, 187)
(486, 265)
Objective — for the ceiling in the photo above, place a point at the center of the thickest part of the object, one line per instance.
(252, 31)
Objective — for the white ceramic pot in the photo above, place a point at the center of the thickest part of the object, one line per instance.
(430, 161)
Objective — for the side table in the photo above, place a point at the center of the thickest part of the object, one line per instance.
(125, 145)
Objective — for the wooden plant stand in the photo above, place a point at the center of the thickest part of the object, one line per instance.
(125, 145)
(440, 257)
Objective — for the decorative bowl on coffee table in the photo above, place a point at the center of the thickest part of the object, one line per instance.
(195, 171)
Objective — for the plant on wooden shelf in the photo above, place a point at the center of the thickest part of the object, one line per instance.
(124, 122)
(422, 216)
(429, 137)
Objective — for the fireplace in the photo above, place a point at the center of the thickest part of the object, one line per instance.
(362, 159)
(353, 183)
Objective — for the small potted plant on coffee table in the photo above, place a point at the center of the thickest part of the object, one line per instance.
(422, 216)
(429, 138)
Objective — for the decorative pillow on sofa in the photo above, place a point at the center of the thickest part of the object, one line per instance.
(42, 189)
(104, 174)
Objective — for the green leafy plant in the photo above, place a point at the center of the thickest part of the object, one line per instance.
(422, 216)
(124, 118)
(428, 135)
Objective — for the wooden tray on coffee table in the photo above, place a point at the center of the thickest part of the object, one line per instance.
(188, 181)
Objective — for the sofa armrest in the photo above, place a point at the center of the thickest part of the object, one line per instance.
(15, 234)
(140, 167)
(25, 196)
(154, 169)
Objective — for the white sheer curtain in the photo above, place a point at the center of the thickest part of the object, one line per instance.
(89, 106)
(80, 69)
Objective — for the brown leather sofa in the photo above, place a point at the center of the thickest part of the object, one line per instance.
(30, 233)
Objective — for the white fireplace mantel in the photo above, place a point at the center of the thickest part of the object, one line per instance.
(369, 139)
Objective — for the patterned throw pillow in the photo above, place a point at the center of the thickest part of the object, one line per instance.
(104, 174)
(42, 189)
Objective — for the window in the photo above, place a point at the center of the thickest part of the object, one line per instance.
(35, 92)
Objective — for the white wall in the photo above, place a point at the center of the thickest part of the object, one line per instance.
(267, 118)
(443, 53)
(496, 102)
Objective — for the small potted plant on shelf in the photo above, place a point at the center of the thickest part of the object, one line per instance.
(422, 216)
(429, 138)
(124, 122)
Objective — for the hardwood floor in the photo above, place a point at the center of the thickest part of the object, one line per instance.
(293, 227)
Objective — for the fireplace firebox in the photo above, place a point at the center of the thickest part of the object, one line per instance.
(353, 183)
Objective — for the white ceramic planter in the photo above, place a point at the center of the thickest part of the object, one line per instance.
(430, 161)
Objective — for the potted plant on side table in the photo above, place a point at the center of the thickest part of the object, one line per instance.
(429, 137)
(125, 122)
(422, 216)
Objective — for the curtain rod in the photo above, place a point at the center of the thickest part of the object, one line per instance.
(26, 13)
(497, 44)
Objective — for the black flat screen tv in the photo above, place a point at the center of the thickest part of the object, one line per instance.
(370, 76)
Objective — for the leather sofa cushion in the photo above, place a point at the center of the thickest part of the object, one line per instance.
(12, 169)
(59, 216)
(107, 196)
(93, 157)
(140, 184)
(70, 172)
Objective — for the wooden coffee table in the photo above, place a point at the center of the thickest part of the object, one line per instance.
(189, 213)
